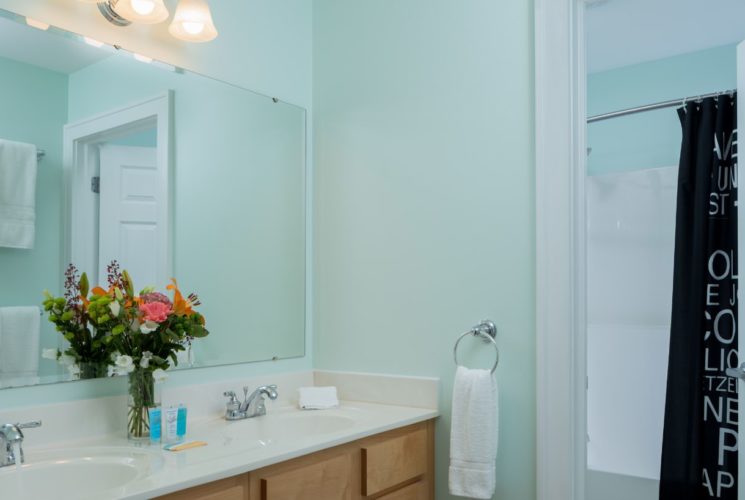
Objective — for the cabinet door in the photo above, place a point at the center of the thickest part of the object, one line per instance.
(416, 491)
(233, 488)
(393, 461)
(329, 479)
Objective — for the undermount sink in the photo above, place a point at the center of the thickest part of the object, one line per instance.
(293, 425)
(95, 473)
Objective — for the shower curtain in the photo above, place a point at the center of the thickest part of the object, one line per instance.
(699, 448)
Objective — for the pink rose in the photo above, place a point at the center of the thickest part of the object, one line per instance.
(156, 312)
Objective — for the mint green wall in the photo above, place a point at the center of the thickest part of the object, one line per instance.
(424, 211)
(266, 46)
(146, 138)
(33, 109)
(650, 139)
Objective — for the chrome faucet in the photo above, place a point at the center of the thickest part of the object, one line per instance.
(10, 436)
(253, 404)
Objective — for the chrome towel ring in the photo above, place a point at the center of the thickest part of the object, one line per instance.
(487, 330)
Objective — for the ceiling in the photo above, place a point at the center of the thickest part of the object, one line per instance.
(48, 50)
(624, 32)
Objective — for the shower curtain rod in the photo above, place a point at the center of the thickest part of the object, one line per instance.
(658, 105)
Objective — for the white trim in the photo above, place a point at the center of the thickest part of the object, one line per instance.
(79, 139)
(560, 157)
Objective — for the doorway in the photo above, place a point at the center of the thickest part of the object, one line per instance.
(118, 178)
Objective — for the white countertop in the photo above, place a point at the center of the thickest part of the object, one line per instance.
(233, 447)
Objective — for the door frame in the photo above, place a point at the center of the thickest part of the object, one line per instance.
(80, 163)
(560, 156)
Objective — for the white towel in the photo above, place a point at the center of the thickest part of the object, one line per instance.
(17, 194)
(317, 398)
(473, 435)
(19, 342)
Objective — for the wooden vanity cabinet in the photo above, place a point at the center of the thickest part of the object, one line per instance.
(394, 465)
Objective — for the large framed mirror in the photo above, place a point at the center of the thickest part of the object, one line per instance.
(167, 172)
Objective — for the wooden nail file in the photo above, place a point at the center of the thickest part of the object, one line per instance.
(184, 446)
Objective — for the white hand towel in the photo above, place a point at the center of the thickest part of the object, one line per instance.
(19, 341)
(473, 435)
(317, 398)
(17, 194)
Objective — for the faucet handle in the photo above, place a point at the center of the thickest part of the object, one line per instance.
(245, 392)
(29, 425)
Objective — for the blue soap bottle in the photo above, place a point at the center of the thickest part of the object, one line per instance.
(181, 423)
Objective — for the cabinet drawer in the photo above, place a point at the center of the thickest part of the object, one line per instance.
(328, 479)
(393, 461)
(416, 491)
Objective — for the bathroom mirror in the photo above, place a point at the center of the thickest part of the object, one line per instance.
(168, 172)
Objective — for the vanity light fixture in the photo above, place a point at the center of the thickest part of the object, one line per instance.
(192, 22)
(37, 24)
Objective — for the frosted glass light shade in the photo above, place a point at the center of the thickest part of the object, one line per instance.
(141, 11)
(193, 22)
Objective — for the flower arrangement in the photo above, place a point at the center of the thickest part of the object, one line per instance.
(123, 333)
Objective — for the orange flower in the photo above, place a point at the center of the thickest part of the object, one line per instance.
(181, 306)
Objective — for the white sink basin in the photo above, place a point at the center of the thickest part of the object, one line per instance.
(95, 473)
(282, 427)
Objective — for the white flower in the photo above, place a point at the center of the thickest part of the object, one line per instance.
(159, 375)
(66, 360)
(148, 327)
(74, 370)
(145, 360)
(115, 308)
(124, 364)
(135, 326)
(115, 355)
(50, 354)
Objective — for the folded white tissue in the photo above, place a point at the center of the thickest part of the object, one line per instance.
(317, 398)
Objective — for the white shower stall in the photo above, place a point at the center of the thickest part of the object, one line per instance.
(630, 248)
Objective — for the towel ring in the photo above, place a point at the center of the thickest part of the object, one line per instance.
(487, 330)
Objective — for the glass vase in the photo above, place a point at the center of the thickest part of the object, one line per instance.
(90, 370)
(142, 397)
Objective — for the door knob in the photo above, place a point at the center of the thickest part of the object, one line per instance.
(737, 372)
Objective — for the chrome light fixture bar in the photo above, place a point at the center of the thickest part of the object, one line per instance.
(107, 10)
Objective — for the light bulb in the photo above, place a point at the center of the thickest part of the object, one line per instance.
(193, 28)
(143, 7)
(193, 22)
(140, 11)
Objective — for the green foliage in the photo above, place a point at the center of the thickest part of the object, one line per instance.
(101, 324)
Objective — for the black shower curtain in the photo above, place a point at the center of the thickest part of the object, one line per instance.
(699, 448)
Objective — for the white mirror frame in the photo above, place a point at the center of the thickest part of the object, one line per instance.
(560, 121)
(80, 217)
